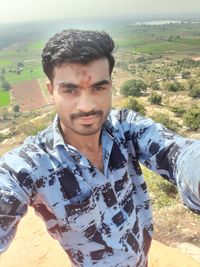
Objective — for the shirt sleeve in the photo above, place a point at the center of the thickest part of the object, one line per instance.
(14, 198)
(174, 157)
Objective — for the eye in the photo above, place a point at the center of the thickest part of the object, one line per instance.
(69, 90)
(99, 88)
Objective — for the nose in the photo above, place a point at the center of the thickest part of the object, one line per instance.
(85, 102)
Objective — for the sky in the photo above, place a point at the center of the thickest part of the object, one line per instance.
(34, 10)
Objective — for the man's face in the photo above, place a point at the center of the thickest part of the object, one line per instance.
(82, 96)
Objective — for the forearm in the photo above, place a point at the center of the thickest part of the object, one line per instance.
(188, 176)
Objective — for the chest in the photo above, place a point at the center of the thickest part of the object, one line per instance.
(96, 159)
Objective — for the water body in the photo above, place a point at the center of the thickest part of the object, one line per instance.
(163, 22)
(158, 22)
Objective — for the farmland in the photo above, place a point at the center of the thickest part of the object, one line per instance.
(171, 42)
(28, 95)
(4, 98)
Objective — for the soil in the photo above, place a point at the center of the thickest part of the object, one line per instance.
(28, 95)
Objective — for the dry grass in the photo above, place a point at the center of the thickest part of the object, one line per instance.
(176, 224)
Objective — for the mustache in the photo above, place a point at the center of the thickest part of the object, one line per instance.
(86, 114)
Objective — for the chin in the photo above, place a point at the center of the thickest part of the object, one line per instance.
(88, 130)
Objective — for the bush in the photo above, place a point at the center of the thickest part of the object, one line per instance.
(174, 87)
(5, 85)
(133, 88)
(166, 121)
(155, 99)
(195, 92)
(131, 103)
(16, 108)
(179, 111)
(192, 118)
(155, 86)
(186, 74)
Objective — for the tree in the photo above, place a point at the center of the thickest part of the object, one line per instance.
(192, 118)
(131, 103)
(170, 39)
(20, 64)
(155, 99)
(16, 108)
(5, 85)
(133, 88)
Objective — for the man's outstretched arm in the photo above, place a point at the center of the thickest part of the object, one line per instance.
(175, 158)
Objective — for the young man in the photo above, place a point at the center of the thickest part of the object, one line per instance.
(82, 174)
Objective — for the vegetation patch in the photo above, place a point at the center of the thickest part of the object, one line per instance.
(5, 62)
(39, 45)
(4, 98)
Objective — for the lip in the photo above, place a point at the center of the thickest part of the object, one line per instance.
(88, 119)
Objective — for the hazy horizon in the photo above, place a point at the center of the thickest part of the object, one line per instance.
(13, 11)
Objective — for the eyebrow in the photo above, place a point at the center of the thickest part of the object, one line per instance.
(103, 82)
(74, 86)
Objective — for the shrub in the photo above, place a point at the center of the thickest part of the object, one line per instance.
(5, 85)
(16, 108)
(192, 118)
(131, 103)
(195, 92)
(155, 86)
(155, 99)
(166, 121)
(174, 87)
(133, 88)
(179, 111)
(186, 74)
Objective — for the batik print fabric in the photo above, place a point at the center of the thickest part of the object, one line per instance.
(99, 218)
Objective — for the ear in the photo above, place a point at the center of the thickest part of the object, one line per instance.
(50, 88)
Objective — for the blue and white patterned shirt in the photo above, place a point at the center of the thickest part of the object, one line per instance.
(99, 218)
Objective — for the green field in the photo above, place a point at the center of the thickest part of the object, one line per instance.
(182, 38)
(29, 73)
(4, 98)
(39, 45)
(5, 62)
(179, 40)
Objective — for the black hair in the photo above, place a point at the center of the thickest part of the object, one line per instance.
(76, 46)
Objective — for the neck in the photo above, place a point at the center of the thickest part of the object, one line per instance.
(90, 146)
(83, 143)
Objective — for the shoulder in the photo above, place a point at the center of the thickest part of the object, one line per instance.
(28, 155)
(127, 119)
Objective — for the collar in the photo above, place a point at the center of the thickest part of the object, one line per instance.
(58, 140)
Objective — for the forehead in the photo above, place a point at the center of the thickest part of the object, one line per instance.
(74, 72)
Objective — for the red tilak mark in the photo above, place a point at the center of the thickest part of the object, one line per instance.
(86, 83)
